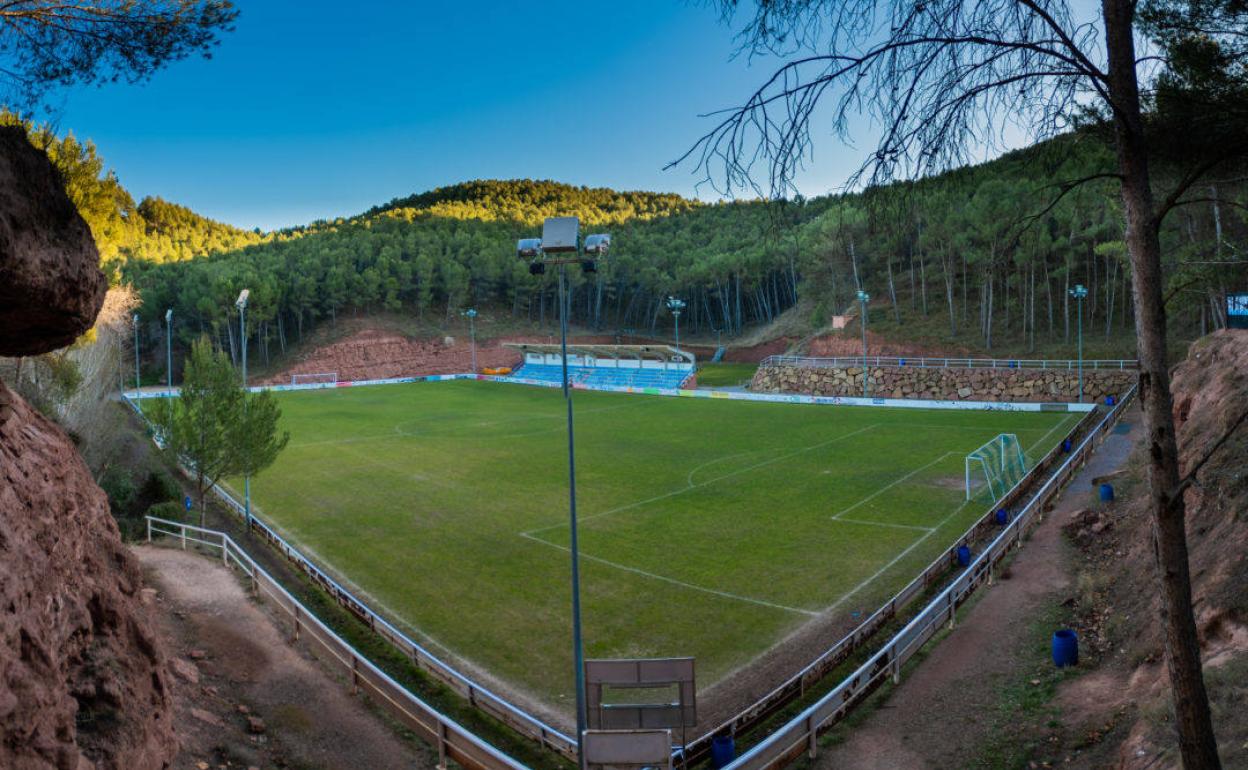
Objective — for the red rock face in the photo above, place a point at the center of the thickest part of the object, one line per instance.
(83, 681)
(51, 287)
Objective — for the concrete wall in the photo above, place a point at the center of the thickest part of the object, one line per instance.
(1045, 385)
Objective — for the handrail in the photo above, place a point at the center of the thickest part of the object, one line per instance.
(814, 362)
(799, 735)
(450, 738)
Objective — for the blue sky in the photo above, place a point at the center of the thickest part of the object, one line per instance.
(307, 111)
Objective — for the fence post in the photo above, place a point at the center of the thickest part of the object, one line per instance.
(182, 528)
(149, 530)
(952, 611)
(441, 745)
(812, 742)
(296, 614)
(355, 674)
(225, 550)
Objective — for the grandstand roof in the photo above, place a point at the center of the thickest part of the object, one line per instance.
(638, 352)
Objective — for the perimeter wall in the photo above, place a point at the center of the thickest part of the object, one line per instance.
(952, 383)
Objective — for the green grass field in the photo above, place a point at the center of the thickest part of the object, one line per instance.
(709, 527)
(725, 374)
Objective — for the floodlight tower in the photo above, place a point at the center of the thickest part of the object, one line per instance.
(863, 299)
(676, 305)
(135, 321)
(169, 350)
(241, 304)
(560, 245)
(472, 326)
(1080, 293)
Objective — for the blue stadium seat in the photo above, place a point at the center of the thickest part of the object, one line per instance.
(603, 376)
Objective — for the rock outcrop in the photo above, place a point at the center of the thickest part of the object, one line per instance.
(946, 384)
(51, 287)
(83, 682)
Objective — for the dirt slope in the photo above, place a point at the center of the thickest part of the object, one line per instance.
(236, 666)
(376, 354)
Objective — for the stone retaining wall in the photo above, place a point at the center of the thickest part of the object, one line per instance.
(1044, 385)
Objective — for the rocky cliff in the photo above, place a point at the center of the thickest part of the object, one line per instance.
(83, 680)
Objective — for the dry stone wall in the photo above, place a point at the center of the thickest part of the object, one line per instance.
(953, 384)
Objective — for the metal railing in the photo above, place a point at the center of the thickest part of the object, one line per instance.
(840, 362)
(800, 735)
(451, 739)
(480, 697)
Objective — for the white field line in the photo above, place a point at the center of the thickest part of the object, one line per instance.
(896, 559)
(673, 581)
(708, 482)
(889, 486)
(882, 524)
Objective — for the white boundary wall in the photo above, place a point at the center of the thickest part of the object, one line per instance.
(774, 398)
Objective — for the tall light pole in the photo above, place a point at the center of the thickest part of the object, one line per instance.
(137, 384)
(472, 326)
(560, 245)
(169, 349)
(863, 299)
(1080, 293)
(676, 305)
(241, 304)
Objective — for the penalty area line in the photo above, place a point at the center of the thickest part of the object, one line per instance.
(883, 489)
(674, 581)
(896, 559)
(708, 482)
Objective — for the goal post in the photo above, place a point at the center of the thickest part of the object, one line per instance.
(314, 378)
(999, 464)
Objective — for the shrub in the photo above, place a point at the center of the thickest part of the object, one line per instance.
(117, 485)
(161, 486)
(173, 511)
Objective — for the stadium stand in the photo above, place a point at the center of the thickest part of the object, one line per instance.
(631, 366)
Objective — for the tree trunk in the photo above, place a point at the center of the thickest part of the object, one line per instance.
(1197, 744)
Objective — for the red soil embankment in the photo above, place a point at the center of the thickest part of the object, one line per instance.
(374, 354)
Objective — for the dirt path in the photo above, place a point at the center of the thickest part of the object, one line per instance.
(232, 664)
(937, 713)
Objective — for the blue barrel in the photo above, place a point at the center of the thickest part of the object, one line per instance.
(901, 362)
(723, 751)
(1066, 446)
(1109, 401)
(964, 555)
(1065, 648)
(1107, 493)
(1003, 516)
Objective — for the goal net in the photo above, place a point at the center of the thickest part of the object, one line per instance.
(308, 379)
(996, 466)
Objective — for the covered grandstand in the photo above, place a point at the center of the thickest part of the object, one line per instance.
(635, 366)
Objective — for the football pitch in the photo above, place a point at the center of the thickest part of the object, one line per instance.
(709, 527)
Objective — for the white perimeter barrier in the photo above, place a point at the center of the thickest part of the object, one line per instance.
(774, 398)
(800, 735)
(452, 740)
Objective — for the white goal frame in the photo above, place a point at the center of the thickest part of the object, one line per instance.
(1003, 439)
(305, 379)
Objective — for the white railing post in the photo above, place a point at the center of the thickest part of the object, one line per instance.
(149, 530)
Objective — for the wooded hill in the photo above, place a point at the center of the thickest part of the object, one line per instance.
(989, 250)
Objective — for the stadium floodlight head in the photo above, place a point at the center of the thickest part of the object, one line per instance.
(561, 234)
(169, 315)
(863, 296)
(135, 319)
(242, 299)
(529, 248)
(1079, 292)
(471, 312)
(598, 245)
(675, 304)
